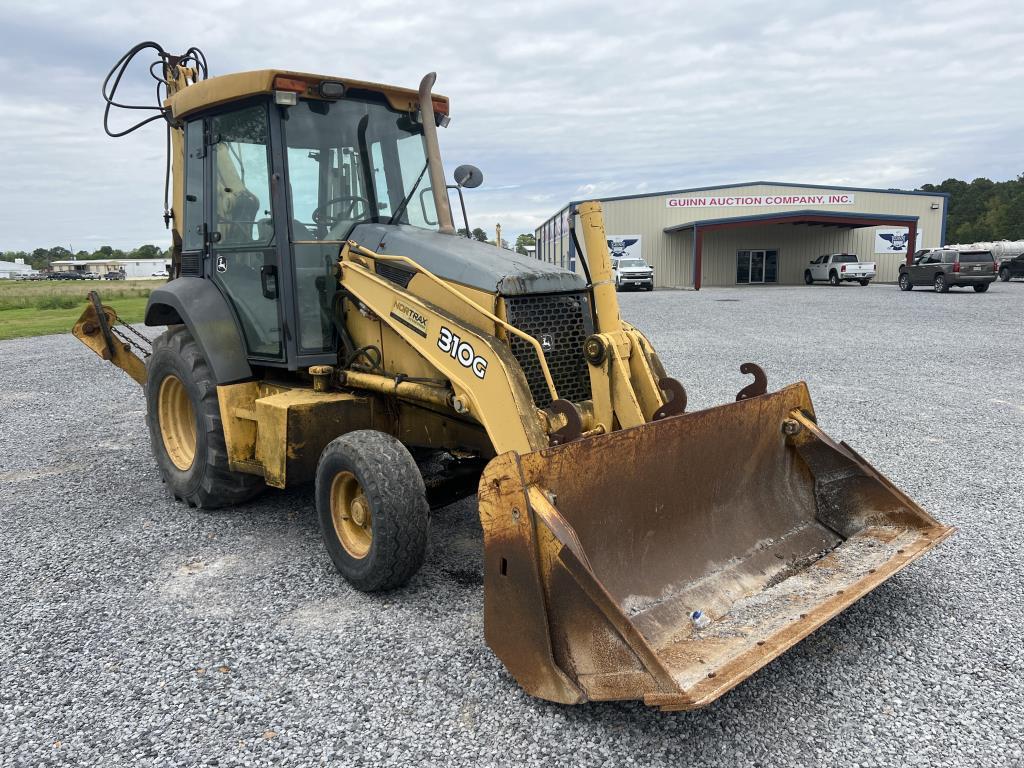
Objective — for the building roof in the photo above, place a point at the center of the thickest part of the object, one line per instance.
(890, 191)
(666, 192)
(10, 266)
(161, 260)
(812, 217)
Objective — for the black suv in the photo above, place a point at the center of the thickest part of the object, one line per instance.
(943, 269)
(1011, 267)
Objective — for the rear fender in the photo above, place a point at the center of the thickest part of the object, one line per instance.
(200, 307)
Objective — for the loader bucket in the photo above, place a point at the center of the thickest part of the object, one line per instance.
(670, 561)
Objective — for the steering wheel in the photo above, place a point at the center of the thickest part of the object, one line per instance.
(320, 215)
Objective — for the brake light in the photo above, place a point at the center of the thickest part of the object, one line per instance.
(843, 268)
(956, 266)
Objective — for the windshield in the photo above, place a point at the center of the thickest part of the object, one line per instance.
(628, 263)
(352, 161)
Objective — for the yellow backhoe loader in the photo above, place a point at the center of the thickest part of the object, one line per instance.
(325, 322)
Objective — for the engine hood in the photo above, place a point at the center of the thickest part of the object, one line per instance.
(469, 262)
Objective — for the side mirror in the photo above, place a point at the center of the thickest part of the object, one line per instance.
(468, 176)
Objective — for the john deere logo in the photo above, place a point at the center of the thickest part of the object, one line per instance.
(547, 343)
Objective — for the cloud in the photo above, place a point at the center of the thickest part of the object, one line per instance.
(554, 101)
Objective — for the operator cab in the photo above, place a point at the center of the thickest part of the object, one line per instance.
(276, 178)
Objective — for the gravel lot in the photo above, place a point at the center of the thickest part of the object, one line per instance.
(136, 631)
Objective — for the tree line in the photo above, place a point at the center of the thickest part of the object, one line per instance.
(979, 210)
(41, 258)
(983, 209)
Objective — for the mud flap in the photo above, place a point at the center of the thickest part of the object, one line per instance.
(670, 561)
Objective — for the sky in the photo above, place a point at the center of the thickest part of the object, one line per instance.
(554, 100)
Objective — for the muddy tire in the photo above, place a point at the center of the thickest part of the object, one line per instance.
(185, 429)
(373, 511)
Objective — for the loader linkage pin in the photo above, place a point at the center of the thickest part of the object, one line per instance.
(573, 428)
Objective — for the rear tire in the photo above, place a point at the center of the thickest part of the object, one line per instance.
(864, 282)
(833, 278)
(904, 282)
(373, 511)
(808, 279)
(941, 286)
(185, 429)
(1004, 274)
(981, 287)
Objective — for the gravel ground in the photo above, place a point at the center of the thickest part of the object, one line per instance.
(136, 631)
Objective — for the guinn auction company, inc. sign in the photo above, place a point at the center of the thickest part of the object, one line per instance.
(759, 201)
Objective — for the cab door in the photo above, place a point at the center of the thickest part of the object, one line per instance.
(243, 244)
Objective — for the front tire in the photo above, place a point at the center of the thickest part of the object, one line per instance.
(941, 286)
(373, 511)
(981, 287)
(1004, 274)
(808, 279)
(185, 428)
(833, 278)
(905, 283)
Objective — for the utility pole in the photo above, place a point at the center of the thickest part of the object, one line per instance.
(497, 236)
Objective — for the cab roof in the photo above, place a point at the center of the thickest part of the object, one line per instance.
(240, 85)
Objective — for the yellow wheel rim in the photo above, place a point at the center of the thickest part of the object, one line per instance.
(350, 512)
(177, 422)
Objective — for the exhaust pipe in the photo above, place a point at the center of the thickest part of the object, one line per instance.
(437, 183)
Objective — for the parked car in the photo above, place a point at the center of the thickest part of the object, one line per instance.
(1010, 267)
(630, 271)
(840, 268)
(114, 275)
(943, 269)
(90, 275)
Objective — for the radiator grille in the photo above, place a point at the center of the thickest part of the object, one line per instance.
(192, 264)
(565, 319)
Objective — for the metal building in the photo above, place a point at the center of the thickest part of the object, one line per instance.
(755, 233)
(134, 269)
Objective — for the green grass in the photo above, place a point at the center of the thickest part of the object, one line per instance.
(35, 309)
(65, 294)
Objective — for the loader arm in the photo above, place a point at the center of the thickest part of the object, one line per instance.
(488, 384)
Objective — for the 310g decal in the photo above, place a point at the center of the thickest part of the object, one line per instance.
(462, 351)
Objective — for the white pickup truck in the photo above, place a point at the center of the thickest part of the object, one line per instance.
(839, 268)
